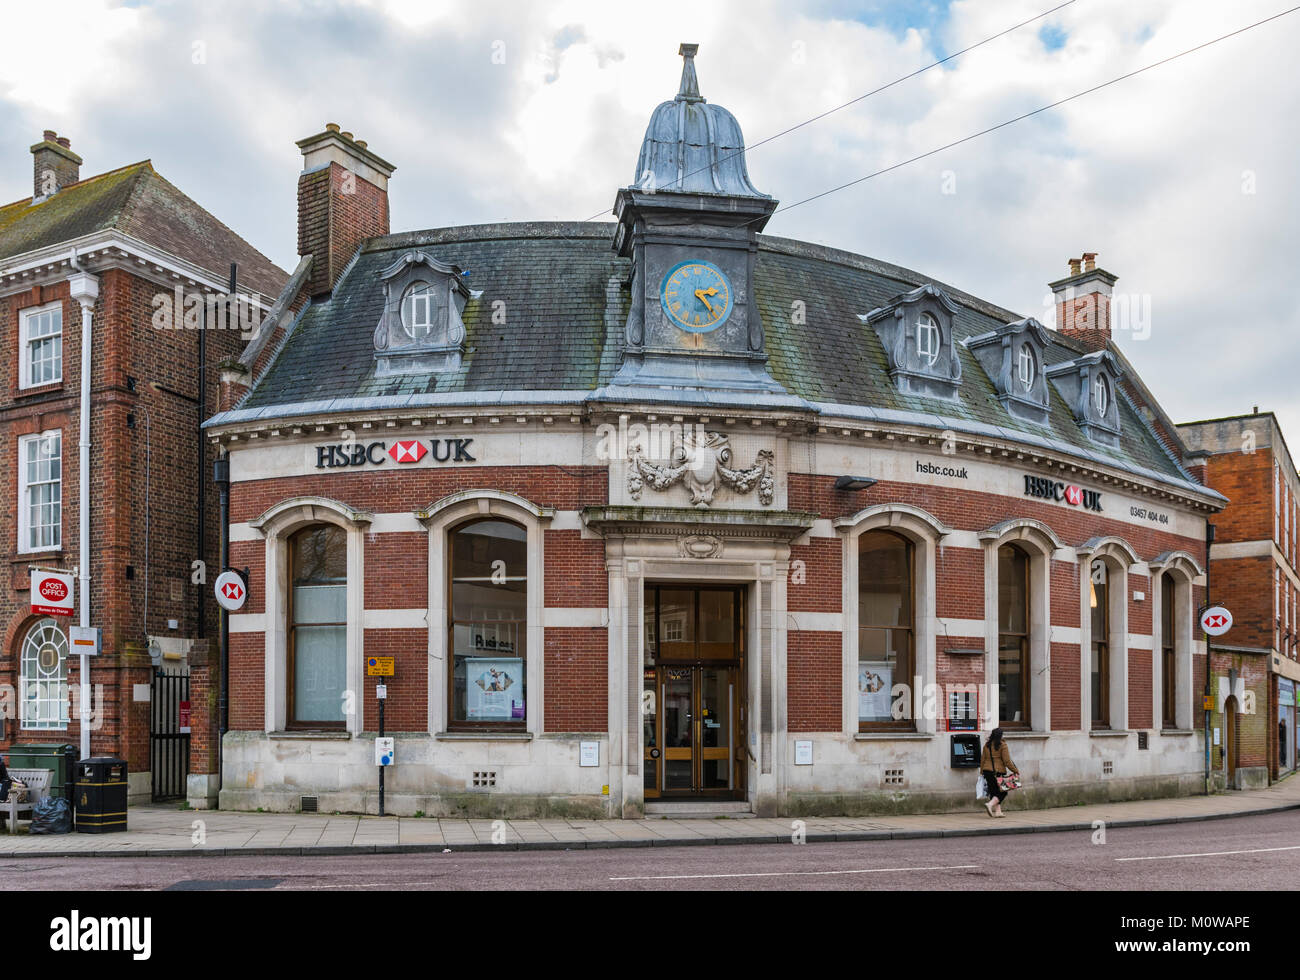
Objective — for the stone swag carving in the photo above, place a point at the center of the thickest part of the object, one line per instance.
(700, 462)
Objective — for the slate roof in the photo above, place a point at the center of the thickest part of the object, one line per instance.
(137, 201)
(566, 299)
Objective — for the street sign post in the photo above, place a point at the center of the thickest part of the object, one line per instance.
(379, 666)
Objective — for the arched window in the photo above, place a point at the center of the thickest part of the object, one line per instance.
(1013, 637)
(886, 624)
(44, 681)
(419, 308)
(927, 339)
(1101, 395)
(1026, 367)
(1168, 658)
(487, 625)
(317, 649)
(1099, 601)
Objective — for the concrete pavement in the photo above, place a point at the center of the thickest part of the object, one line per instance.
(161, 831)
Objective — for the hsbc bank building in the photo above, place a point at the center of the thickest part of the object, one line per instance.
(668, 513)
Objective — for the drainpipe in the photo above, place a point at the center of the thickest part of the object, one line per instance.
(1205, 711)
(221, 477)
(84, 289)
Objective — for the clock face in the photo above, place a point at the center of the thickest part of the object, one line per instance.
(696, 296)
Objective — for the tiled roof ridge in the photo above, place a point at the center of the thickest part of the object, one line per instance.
(81, 183)
(221, 224)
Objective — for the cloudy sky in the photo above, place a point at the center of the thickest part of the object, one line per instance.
(1183, 179)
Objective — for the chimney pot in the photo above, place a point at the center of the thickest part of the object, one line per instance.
(360, 143)
(1083, 303)
(54, 165)
(342, 201)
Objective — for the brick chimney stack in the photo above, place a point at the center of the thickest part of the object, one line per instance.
(342, 200)
(1083, 302)
(54, 165)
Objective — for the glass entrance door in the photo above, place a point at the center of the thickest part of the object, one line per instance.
(693, 692)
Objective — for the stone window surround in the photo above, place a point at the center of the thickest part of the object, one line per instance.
(277, 525)
(438, 519)
(1185, 571)
(1039, 543)
(925, 532)
(1118, 557)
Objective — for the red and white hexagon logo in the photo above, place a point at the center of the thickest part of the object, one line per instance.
(1073, 495)
(408, 451)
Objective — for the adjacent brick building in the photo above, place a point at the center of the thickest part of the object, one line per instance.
(1254, 573)
(667, 510)
(127, 247)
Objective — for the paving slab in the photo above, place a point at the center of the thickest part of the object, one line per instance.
(170, 831)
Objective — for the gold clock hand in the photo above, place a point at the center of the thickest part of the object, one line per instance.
(703, 296)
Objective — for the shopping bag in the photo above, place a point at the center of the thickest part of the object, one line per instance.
(981, 790)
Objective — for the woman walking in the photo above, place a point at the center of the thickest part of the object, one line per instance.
(994, 762)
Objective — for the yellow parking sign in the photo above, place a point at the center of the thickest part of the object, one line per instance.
(379, 666)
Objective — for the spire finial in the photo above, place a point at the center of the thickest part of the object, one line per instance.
(690, 87)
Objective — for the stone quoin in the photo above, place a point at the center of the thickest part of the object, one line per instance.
(666, 510)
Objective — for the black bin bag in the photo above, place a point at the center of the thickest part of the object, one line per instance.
(52, 815)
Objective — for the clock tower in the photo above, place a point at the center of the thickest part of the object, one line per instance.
(690, 222)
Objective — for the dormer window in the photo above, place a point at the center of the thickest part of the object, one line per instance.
(1012, 357)
(1087, 384)
(421, 330)
(927, 339)
(1026, 367)
(915, 330)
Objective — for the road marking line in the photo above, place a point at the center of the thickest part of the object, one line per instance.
(791, 874)
(1170, 857)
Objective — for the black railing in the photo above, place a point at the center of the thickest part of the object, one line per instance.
(169, 746)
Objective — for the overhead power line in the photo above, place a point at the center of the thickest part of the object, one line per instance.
(1034, 112)
(860, 98)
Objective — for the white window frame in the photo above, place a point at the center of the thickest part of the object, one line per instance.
(418, 295)
(1101, 395)
(25, 545)
(928, 327)
(25, 340)
(1026, 367)
(30, 673)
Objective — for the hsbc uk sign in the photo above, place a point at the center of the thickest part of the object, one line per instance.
(401, 452)
(1045, 488)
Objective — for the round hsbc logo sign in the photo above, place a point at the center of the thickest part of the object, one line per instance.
(1045, 488)
(231, 590)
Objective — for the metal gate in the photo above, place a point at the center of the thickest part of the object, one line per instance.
(169, 734)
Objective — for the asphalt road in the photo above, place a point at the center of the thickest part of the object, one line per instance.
(1247, 853)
